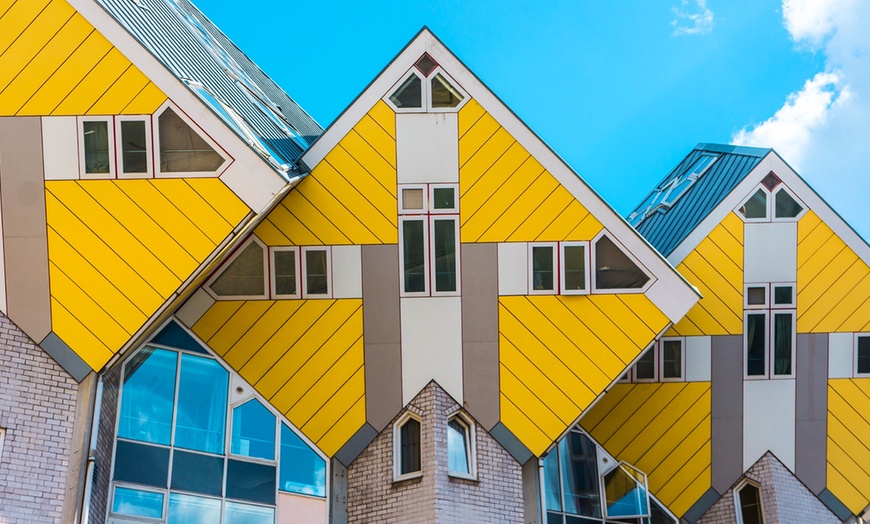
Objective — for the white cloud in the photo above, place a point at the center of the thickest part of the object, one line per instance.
(691, 23)
(810, 21)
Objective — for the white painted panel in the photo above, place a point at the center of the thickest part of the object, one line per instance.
(60, 150)
(770, 252)
(698, 359)
(673, 305)
(255, 192)
(513, 268)
(840, 355)
(768, 420)
(346, 272)
(431, 345)
(195, 307)
(427, 148)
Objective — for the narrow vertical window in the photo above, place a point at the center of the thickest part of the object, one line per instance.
(749, 505)
(316, 272)
(202, 405)
(573, 264)
(409, 447)
(147, 396)
(284, 267)
(444, 253)
(414, 255)
(672, 359)
(782, 343)
(134, 146)
(543, 268)
(459, 447)
(97, 154)
(645, 368)
(862, 355)
(756, 327)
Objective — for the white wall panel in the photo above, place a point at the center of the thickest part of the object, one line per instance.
(769, 420)
(698, 359)
(770, 252)
(513, 268)
(431, 345)
(195, 307)
(60, 150)
(840, 355)
(427, 147)
(346, 272)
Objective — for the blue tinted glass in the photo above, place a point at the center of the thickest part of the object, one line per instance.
(457, 447)
(138, 503)
(246, 514)
(253, 431)
(197, 473)
(141, 463)
(202, 405)
(302, 470)
(187, 509)
(146, 399)
(175, 336)
(250, 481)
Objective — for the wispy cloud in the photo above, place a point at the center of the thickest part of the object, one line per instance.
(689, 21)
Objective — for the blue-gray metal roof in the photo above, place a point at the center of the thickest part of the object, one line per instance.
(196, 51)
(665, 229)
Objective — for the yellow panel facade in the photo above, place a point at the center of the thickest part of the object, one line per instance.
(119, 248)
(662, 429)
(715, 267)
(848, 448)
(558, 353)
(304, 356)
(349, 197)
(833, 283)
(53, 62)
(506, 195)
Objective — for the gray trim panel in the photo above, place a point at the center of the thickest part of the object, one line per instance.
(811, 405)
(727, 410)
(356, 444)
(511, 443)
(65, 357)
(710, 497)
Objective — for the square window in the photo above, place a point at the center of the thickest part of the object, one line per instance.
(444, 198)
(783, 295)
(756, 296)
(412, 200)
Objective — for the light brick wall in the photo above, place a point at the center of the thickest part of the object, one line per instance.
(37, 406)
(495, 497)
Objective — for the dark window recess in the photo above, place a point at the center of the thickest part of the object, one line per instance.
(315, 272)
(409, 94)
(134, 146)
(285, 272)
(182, 149)
(864, 354)
(96, 138)
(445, 255)
(786, 206)
(756, 296)
(409, 437)
(542, 268)
(614, 270)
(782, 331)
(672, 359)
(770, 181)
(244, 276)
(142, 464)
(782, 295)
(425, 64)
(750, 505)
(251, 482)
(645, 369)
(175, 336)
(755, 331)
(197, 473)
(414, 253)
(756, 206)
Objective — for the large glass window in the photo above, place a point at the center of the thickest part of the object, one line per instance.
(771, 201)
(253, 431)
(138, 503)
(302, 470)
(202, 405)
(769, 332)
(149, 393)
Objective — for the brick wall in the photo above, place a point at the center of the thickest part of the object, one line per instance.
(37, 406)
(495, 497)
(105, 446)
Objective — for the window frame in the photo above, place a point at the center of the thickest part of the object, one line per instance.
(587, 258)
(226, 264)
(738, 506)
(398, 476)
(304, 274)
(770, 204)
(657, 348)
(80, 135)
(421, 211)
(158, 172)
(273, 277)
(593, 257)
(429, 202)
(432, 256)
(855, 372)
(661, 359)
(653, 350)
(426, 91)
(531, 262)
(119, 146)
(471, 446)
(423, 102)
(770, 310)
(426, 256)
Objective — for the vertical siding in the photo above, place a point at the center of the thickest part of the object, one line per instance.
(848, 448)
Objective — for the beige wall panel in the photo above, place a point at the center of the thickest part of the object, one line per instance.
(769, 420)
(427, 148)
(60, 147)
(431, 345)
(346, 272)
(293, 509)
(513, 268)
(840, 355)
(480, 380)
(698, 359)
(770, 252)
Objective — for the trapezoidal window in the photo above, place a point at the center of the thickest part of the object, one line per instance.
(747, 499)
(183, 150)
(614, 269)
(407, 448)
(460, 447)
(443, 93)
(245, 275)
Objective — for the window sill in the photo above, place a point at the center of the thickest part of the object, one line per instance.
(407, 476)
(453, 475)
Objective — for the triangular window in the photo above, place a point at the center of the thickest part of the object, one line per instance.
(245, 275)
(409, 94)
(183, 150)
(756, 206)
(614, 269)
(174, 335)
(786, 206)
(443, 93)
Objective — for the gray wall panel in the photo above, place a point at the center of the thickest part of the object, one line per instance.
(382, 333)
(811, 370)
(480, 332)
(727, 408)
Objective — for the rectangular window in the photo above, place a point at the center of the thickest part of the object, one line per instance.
(756, 342)
(429, 239)
(862, 359)
(663, 361)
(444, 242)
(285, 272)
(573, 261)
(542, 261)
(316, 272)
(783, 343)
(769, 332)
(97, 149)
(645, 368)
(134, 146)
(414, 267)
(672, 359)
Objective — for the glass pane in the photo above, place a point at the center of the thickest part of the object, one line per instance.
(302, 470)
(409, 94)
(425, 64)
(137, 503)
(786, 206)
(444, 94)
(202, 405)
(244, 276)
(142, 464)
(756, 206)
(756, 296)
(409, 451)
(175, 336)
(182, 149)
(444, 198)
(580, 475)
(625, 493)
(542, 268)
(755, 330)
(412, 198)
(782, 295)
(316, 274)
(445, 255)
(237, 513)
(750, 505)
(672, 359)
(252, 482)
(253, 431)
(188, 509)
(658, 515)
(551, 481)
(864, 354)
(782, 341)
(614, 270)
(645, 369)
(197, 473)
(285, 272)
(147, 396)
(457, 447)
(575, 267)
(96, 135)
(413, 256)
(134, 146)
(770, 181)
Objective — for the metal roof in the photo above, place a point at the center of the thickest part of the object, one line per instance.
(665, 228)
(189, 45)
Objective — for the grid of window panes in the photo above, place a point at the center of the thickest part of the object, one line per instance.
(184, 453)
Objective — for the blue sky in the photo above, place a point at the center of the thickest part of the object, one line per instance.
(622, 90)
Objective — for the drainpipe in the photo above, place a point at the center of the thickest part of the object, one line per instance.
(92, 452)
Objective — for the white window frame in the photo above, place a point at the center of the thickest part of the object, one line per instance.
(431, 262)
(119, 145)
(738, 508)
(421, 211)
(776, 190)
(304, 273)
(770, 310)
(855, 373)
(470, 451)
(772, 342)
(766, 324)
(273, 286)
(763, 285)
(651, 349)
(743, 202)
(428, 215)
(661, 359)
(220, 271)
(772, 295)
(397, 448)
(586, 265)
(430, 202)
(80, 134)
(594, 264)
(423, 98)
(158, 173)
(427, 92)
(531, 262)
(426, 256)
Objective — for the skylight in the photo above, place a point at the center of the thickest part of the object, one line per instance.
(669, 192)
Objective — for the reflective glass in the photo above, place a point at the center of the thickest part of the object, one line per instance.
(444, 94)
(625, 493)
(96, 138)
(142, 464)
(782, 341)
(138, 503)
(457, 447)
(189, 509)
(575, 267)
(864, 355)
(579, 467)
(551, 481)
(134, 146)
(444, 198)
(253, 431)
(645, 368)
(202, 405)
(782, 295)
(237, 513)
(613, 268)
(182, 149)
(197, 473)
(542, 268)
(756, 206)
(285, 272)
(755, 341)
(786, 206)
(657, 515)
(244, 276)
(175, 336)
(672, 359)
(409, 451)
(251, 482)
(409, 94)
(445, 254)
(302, 470)
(316, 274)
(147, 395)
(413, 256)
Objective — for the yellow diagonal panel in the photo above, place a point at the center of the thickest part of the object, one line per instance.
(520, 424)
(385, 117)
(54, 62)
(119, 248)
(715, 267)
(848, 449)
(469, 115)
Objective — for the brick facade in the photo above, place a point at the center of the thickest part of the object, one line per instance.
(495, 497)
(37, 406)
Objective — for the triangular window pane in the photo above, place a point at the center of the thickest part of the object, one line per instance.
(244, 276)
(175, 336)
(182, 150)
(444, 94)
(756, 206)
(786, 206)
(613, 268)
(409, 94)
